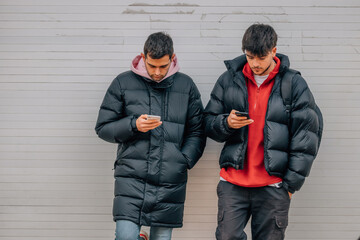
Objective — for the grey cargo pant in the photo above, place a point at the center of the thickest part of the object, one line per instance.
(268, 207)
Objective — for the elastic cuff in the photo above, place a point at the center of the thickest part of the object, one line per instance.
(226, 126)
(133, 124)
(288, 188)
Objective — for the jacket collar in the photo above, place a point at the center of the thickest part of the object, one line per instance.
(168, 82)
(236, 65)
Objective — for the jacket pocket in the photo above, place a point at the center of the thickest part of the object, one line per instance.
(121, 148)
(182, 156)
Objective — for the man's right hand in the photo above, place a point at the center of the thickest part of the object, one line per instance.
(143, 124)
(236, 122)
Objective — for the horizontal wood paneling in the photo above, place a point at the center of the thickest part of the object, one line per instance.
(57, 59)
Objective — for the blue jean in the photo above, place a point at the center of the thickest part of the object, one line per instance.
(127, 230)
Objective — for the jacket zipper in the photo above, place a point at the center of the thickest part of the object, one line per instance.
(162, 140)
(266, 158)
(240, 164)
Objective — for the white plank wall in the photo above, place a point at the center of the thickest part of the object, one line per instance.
(57, 58)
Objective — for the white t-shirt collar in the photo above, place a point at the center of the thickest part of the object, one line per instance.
(260, 79)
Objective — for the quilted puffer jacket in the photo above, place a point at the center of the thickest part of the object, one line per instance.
(151, 168)
(289, 149)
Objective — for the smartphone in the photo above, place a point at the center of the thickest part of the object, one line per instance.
(242, 114)
(153, 117)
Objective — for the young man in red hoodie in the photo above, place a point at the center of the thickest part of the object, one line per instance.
(267, 152)
(154, 113)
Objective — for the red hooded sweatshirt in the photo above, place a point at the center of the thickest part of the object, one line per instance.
(254, 173)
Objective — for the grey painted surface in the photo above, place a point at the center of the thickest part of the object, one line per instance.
(57, 58)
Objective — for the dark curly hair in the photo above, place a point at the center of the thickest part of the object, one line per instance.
(259, 39)
(158, 45)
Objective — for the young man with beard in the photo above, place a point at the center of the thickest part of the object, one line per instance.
(268, 149)
(154, 113)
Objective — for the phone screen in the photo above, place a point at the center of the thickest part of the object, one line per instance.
(153, 117)
(242, 114)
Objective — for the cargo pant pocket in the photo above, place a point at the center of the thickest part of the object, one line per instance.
(220, 216)
(221, 208)
(219, 228)
(281, 222)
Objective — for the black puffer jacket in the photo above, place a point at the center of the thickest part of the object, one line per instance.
(151, 168)
(289, 154)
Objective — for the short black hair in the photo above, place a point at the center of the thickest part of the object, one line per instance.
(259, 39)
(158, 45)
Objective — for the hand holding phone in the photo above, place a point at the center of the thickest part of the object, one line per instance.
(147, 122)
(235, 122)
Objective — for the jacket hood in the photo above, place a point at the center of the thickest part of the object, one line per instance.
(138, 67)
(237, 64)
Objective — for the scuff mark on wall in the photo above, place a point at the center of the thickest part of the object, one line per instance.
(141, 11)
(165, 5)
(221, 19)
(131, 11)
(158, 20)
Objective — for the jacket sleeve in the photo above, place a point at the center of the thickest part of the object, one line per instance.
(112, 125)
(216, 126)
(306, 131)
(194, 136)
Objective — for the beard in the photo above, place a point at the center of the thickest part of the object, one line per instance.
(258, 69)
(157, 78)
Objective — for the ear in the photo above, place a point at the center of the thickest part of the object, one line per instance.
(143, 56)
(172, 57)
(273, 52)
